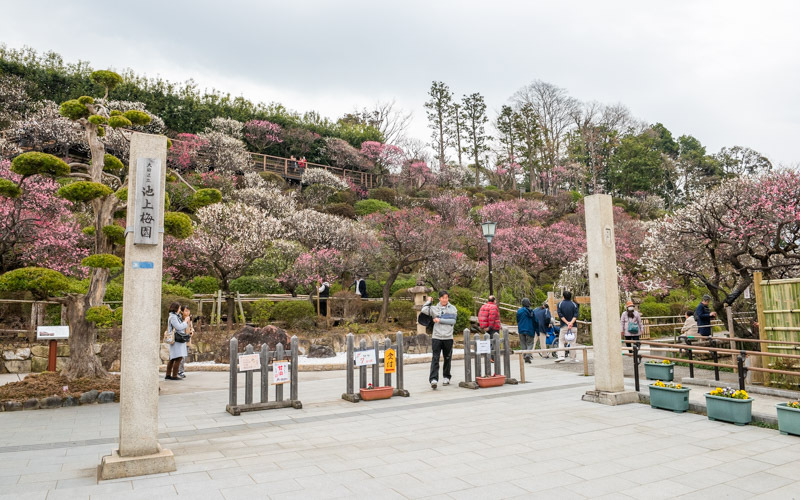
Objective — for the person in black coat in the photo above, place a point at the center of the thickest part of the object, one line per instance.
(324, 292)
(703, 314)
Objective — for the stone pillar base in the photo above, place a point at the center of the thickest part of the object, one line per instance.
(611, 398)
(114, 466)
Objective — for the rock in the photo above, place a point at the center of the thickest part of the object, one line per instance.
(60, 362)
(40, 350)
(30, 404)
(105, 397)
(109, 352)
(89, 397)
(70, 401)
(18, 366)
(97, 348)
(270, 335)
(12, 406)
(114, 366)
(49, 403)
(63, 350)
(321, 351)
(20, 354)
(38, 364)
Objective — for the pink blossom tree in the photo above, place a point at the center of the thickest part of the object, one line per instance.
(513, 213)
(388, 159)
(314, 266)
(183, 154)
(261, 134)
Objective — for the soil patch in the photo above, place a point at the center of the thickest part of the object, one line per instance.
(45, 384)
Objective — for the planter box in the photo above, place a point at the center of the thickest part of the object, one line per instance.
(384, 392)
(659, 371)
(788, 419)
(493, 381)
(667, 398)
(735, 411)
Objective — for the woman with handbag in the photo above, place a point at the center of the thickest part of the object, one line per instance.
(187, 313)
(177, 322)
(631, 325)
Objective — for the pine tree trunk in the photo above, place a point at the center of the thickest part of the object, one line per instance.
(82, 360)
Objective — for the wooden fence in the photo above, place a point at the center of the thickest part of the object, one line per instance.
(778, 309)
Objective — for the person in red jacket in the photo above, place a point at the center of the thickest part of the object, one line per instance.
(489, 316)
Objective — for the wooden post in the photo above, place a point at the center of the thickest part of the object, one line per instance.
(241, 307)
(233, 372)
(731, 334)
(521, 368)
(585, 364)
(761, 361)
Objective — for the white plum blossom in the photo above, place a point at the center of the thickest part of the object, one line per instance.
(319, 176)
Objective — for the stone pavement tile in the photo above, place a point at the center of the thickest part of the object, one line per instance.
(559, 493)
(30, 495)
(456, 460)
(788, 470)
(652, 474)
(702, 479)
(468, 473)
(213, 486)
(692, 463)
(789, 491)
(207, 465)
(292, 473)
(600, 486)
(659, 489)
(20, 470)
(28, 488)
(150, 482)
(602, 469)
(762, 482)
(85, 491)
(537, 481)
(718, 491)
(336, 464)
(399, 468)
(440, 487)
(489, 492)
(743, 467)
(262, 490)
(760, 446)
(778, 457)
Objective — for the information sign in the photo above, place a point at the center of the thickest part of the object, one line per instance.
(483, 347)
(389, 361)
(52, 332)
(365, 358)
(248, 362)
(280, 372)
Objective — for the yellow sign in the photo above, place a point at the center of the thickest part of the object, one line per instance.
(389, 361)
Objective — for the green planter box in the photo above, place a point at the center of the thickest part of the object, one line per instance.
(788, 419)
(659, 371)
(735, 411)
(667, 398)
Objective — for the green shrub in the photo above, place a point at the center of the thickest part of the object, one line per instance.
(113, 292)
(102, 261)
(492, 195)
(9, 189)
(490, 187)
(292, 311)
(39, 163)
(137, 117)
(462, 297)
(103, 316)
(261, 311)
(106, 78)
(273, 178)
(388, 195)
(83, 191)
(402, 284)
(85, 99)
(649, 309)
(111, 163)
(343, 197)
(113, 232)
(374, 289)
(259, 285)
(204, 197)
(370, 312)
(180, 291)
(677, 295)
(341, 209)
(97, 120)
(366, 207)
(73, 109)
(403, 311)
(122, 194)
(119, 122)
(462, 320)
(402, 293)
(101, 131)
(41, 282)
(178, 225)
(204, 284)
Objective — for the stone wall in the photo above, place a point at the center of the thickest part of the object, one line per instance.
(24, 357)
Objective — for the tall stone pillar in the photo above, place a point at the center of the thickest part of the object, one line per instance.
(603, 289)
(139, 452)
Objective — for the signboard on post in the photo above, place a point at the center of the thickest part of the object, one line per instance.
(248, 362)
(483, 347)
(52, 332)
(280, 372)
(389, 361)
(146, 224)
(365, 358)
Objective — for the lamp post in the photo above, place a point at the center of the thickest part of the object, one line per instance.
(488, 229)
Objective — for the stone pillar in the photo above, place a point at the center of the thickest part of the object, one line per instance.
(603, 288)
(419, 292)
(139, 452)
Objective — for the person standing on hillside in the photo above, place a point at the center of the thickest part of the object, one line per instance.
(444, 316)
(703, 315)
(568, 314)
(526, 328)
(489, 316)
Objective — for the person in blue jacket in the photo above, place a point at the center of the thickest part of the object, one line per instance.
(704, 315)
(541, 320)
(526, 328)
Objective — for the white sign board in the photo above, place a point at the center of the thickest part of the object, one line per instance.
(483, 347)
(365, 358)
(249, 362)
(148, 197)
(52, 332)
(747, 293)
(280, 372)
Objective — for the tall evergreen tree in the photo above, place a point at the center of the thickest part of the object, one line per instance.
(473, 113)
(438, 110)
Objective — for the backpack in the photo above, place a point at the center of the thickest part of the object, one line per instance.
(633, 326)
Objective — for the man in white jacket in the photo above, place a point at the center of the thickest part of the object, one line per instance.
(444, 318)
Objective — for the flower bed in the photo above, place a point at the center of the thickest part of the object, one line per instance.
(50, 390)
(660, 370)
(669, 396)
(729, 405)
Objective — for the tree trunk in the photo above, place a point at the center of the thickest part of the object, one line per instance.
(387, 288)
(231, 309)
(82, 360)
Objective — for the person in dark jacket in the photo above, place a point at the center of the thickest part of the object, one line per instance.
(568, 314)
(324, 293)
(704, 315)
(541, 323)
(361, 287)
(526, 328)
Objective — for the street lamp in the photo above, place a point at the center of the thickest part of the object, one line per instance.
(488, 229)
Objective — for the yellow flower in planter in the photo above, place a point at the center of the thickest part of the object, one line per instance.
(793, 404)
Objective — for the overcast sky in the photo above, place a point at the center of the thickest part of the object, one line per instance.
(727, 72)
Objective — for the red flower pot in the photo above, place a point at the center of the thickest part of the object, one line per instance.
(384, 392)
(493, 381)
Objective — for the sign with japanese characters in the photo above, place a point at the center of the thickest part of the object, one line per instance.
(365, 358)
(483, 347)
(389, 361)
(280, 372)
(147, 206)
(52, 332)
(248, 362)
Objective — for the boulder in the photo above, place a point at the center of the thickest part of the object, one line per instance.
(63, 350)
(321, 351)
(109, 352)
(20, 354)
(89, 397)
(70, 401)
(31, 404)
(18, 366)
(270, 335)
(40, 350)
(49, 403)
(105, 397)
(114, 366)
(38, 364)
(12, 406)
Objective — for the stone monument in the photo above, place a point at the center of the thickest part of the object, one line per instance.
(604, 291)
(419, 293)
(139, 452)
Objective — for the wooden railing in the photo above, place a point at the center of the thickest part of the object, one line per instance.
(291, 169)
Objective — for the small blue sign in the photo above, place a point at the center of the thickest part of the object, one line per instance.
(136, 264)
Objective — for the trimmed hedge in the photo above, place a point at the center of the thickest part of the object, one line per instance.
(261, 312)
(180, 291)
(292, 311)
(366, 207)
(256, 285)
(203, 284)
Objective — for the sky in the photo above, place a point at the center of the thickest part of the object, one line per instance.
(726, 72)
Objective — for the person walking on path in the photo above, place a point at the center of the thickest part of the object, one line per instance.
(541, 323)
(630, 324)
(187, 313)
(489, 317)
(526, 328)
(703, 315)
(444, 319)
(689, 328)
(568, 314)
(177, 350)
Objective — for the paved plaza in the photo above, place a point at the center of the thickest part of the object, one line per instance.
(537, 440)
